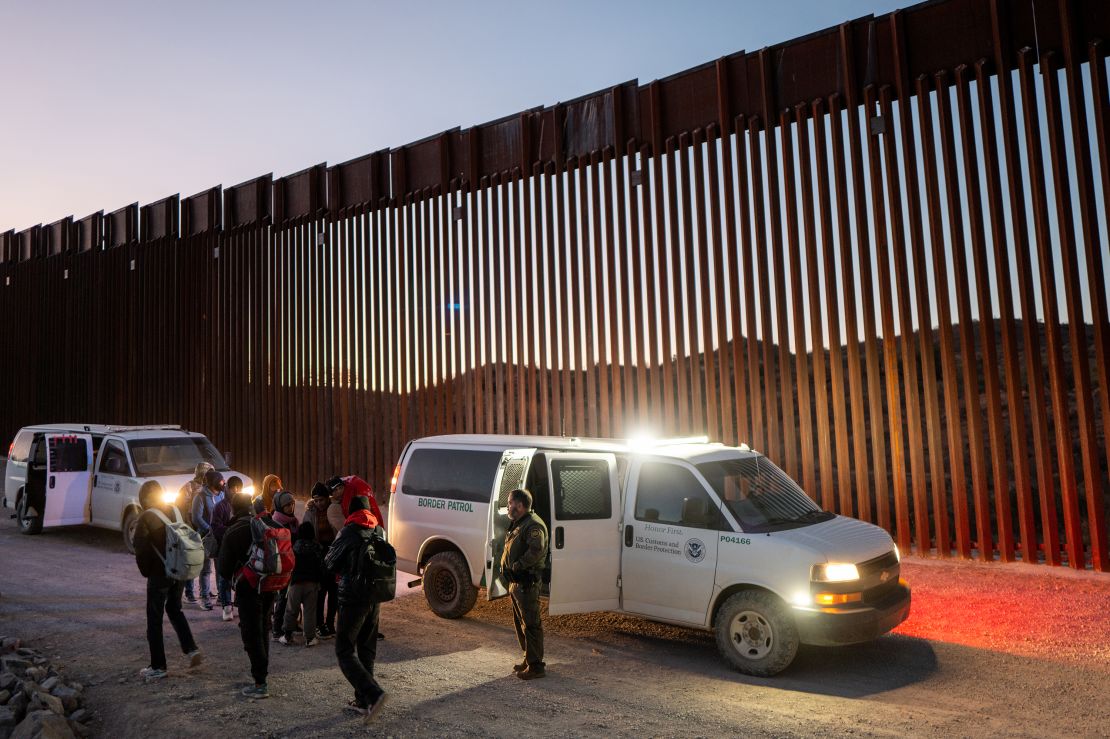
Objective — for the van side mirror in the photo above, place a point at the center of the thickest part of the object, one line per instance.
(227, 458)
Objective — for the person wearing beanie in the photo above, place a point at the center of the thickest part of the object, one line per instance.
(204, 505)
(185, 498)
(356, 637)
(316, 513)
(308, 570)
(222, 517)
(255, 608)
(283, 515)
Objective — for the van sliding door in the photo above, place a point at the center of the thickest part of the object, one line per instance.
(585, 535)
(68, 457)
(511, 474)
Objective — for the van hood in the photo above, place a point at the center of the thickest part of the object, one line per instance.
(842, 539)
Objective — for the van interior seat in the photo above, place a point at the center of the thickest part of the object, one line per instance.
(651, 514)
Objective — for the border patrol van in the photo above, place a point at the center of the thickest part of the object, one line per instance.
(679, 531)
(68, 474)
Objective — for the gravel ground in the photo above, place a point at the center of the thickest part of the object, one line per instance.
(989, 650)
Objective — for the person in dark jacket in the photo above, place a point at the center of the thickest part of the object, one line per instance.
(163, 595)
(316, 512)
(522, 564)
(221, 519)
(356, 633)
(254, 607)
(308, 570)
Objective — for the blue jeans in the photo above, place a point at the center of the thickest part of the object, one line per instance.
(205, 579)
(223, 588)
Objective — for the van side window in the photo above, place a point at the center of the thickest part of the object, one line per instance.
(21, 448)
(68, 454)
(114, 461)
(667, 493)
(457, 474)
(582, 490)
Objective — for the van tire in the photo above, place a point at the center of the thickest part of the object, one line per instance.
(447, 586)
(756, 633)
(130, 522)
(29, 525)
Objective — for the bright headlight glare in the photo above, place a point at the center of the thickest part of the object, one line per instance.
(168, 497)
(248, 490)
(835, 572)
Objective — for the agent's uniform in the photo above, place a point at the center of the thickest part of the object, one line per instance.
(522, 564)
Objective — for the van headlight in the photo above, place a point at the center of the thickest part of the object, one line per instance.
(834, 572)
(248, 490)
(168, 497)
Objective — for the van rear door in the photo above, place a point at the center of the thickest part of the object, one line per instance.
(585, 537)
(68, 459)
(511, 474)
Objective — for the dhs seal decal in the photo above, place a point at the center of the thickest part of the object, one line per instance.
(695, 550)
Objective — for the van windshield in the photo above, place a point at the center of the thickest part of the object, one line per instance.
(760, 495)
(174, 456)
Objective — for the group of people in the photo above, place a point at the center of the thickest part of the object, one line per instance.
(275, 570)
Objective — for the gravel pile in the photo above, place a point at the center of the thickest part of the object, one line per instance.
(36, 701)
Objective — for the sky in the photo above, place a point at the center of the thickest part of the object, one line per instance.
(111, 103)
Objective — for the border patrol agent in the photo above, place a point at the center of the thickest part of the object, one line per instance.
(522, 564)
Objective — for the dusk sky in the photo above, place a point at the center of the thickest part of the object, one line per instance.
(112, 103)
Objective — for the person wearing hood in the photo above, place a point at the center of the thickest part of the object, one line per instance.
(185, 497)
(204, 505)
(163, 595)
(356, 637)
(283, 515)
(343, 491)
(271, 486)
(308, 571)
(254, 607)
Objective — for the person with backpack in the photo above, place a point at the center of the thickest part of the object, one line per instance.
(316, 513)
(189, 491)
(308, 571)
(204, 505)
(356, 638)
(283, 515)
(257, 556)
(168, 553)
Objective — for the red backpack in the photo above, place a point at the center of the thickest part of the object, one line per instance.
(270, 559)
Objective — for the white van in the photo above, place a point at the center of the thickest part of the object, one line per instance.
(679, 531)
(51, 479)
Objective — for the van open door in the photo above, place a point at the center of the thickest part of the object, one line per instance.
(68, 461)
(585, 536)
(511, 474)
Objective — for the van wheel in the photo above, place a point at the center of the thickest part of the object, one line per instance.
(130, 522)
(447, 586)
(756, 633)
(29, 525)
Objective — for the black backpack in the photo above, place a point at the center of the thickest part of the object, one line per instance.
(376, 569)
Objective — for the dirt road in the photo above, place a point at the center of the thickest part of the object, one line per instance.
(988, 651)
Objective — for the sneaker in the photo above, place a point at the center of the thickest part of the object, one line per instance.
(195, 657)
(312, 642)
(531, 673)
(286, 640)
(152, 673)
(227, 614)
(521, 667)
(355, 707)
(190, 598)
(376, 707)
(278, 636)
(325, 633)
(206, 604)
(256, 692)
